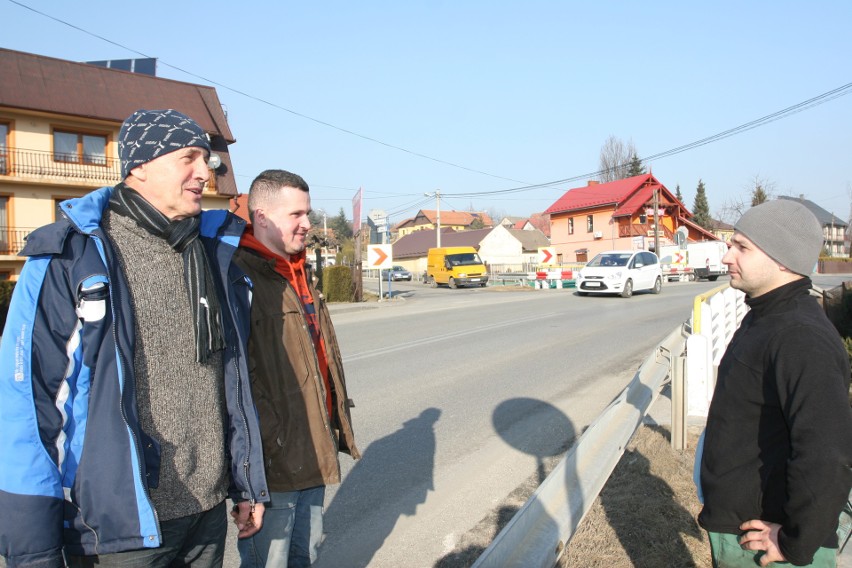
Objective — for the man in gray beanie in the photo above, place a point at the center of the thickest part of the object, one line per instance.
(775, 466)
(125, 401)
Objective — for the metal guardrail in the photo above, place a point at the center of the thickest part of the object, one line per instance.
(538, 533)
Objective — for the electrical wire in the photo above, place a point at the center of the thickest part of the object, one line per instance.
(270, 103)
(778, 115)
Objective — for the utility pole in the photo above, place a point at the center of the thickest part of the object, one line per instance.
(656, 225)
(437, 196)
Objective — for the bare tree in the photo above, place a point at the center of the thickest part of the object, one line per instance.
(615, 159)
(756, 191)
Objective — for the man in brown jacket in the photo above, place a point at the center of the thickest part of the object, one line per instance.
(296, 374)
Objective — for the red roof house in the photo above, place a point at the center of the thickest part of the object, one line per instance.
(618, 215)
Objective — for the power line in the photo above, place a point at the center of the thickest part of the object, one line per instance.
(269, 103)
(778, 115)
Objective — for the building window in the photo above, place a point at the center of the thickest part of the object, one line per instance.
(571, 225)
(4, 148)
(79, 148)
(590, 223)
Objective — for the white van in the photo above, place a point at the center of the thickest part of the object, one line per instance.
(621, 272)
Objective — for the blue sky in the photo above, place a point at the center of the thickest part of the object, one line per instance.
(402, 98)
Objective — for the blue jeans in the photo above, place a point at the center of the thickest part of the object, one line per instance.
(197, 540)
(291, 532)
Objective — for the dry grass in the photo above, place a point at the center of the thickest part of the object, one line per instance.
(645, 515)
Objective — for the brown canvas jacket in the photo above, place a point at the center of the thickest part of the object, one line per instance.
(300, 440)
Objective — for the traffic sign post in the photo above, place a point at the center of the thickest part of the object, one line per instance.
(546, 256)
(380, 257)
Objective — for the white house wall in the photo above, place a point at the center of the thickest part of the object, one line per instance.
(500, 248)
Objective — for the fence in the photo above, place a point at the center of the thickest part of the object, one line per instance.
(34, 163)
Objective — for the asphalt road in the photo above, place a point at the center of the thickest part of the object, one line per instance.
(459, 396)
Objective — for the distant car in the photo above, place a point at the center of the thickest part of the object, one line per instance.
(396, 273)
(621, 272)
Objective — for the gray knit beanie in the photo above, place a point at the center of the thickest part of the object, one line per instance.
(149, 134)
(786, 231)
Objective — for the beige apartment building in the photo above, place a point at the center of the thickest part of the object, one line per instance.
(59, 124)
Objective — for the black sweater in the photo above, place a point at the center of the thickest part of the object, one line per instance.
(778, 443)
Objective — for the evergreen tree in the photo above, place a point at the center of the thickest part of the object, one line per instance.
(758, 195)
(315, 218)
(701, 208)
(636, 167)
(340, 224)
(678, 194)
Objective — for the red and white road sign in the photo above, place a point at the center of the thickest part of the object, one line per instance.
(546, 256)
(379, 256)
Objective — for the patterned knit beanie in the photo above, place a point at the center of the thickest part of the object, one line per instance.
(149, 134)
(786, 231)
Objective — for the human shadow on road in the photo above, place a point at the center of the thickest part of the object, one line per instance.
(393, 476)
(539, 429)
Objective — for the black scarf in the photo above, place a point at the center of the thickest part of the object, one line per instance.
(182, 236)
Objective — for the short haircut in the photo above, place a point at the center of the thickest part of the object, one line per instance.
(267, 184)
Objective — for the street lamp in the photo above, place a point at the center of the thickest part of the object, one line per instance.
(437, 195)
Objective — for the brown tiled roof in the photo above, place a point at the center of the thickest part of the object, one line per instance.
(418, 243)
(530, 241)
(44, 84)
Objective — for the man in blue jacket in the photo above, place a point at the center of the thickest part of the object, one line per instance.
(125, 404)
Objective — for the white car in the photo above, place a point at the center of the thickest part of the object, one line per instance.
(621, 272)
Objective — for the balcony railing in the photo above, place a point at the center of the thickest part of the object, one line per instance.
(34, 163)
(12, 239)
(96, 170)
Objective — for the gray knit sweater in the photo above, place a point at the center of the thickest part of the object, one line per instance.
(181, 402)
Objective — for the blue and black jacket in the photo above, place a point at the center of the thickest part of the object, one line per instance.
(76, 466)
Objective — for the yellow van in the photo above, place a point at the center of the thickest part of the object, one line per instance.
(455, 266)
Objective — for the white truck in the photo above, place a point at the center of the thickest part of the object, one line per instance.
(673, 262)
(705, 258)
(701, 260)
